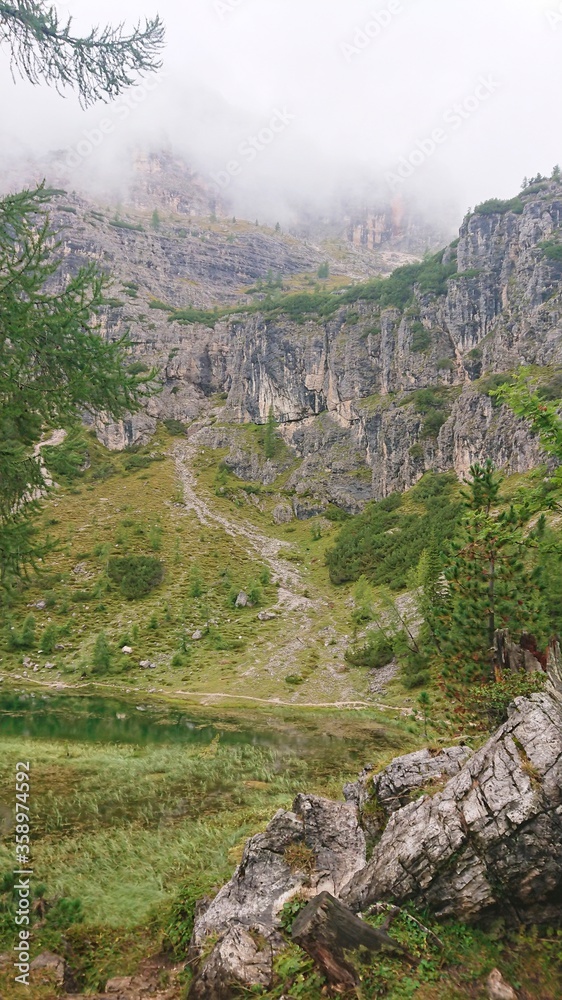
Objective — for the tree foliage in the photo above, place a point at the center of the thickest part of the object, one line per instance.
(524, 397)
(98, 66)
(490, 581)
(385, 542)
(54, 365)
(135, 575)
(269, 439)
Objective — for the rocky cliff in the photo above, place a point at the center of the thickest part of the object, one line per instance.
(482, 843)
(370, 387)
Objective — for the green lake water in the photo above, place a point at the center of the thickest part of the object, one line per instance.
(92, 719)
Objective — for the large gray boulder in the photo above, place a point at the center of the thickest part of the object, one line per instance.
(378, 794)
(486, 843)
(242, 957)
(316, 847)
(489, 843)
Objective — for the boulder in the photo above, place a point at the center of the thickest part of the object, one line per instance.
(378, 794)
(242, 957)
(282, 514)
(318, 846)
(497, 987)
(490, 843)
(242, 600)
(47, 961)
(486, 843)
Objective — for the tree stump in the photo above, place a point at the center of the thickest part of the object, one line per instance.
(327, 930)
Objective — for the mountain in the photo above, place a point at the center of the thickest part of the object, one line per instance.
(371, 382)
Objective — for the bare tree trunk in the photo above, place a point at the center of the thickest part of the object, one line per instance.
(328, 930)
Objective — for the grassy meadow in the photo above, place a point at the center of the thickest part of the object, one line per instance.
(127, 836)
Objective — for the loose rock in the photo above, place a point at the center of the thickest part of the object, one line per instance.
(497, 987)
(50, 962)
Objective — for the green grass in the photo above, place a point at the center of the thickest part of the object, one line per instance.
(457, 971)
(120, 828)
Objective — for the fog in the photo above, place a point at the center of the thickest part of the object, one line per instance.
(284, 103)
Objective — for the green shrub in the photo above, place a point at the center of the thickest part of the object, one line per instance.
(64, 913)
(175, 427)
(255, 595)
(496, 206)
(49, 639)
(551, 389)
(433, 423)
(421, 338)
(67, 459)
(119, 224)
(102, 654)
(132, 463)
(81, 596)
(178, 923)
(157, 304)
(552, 250)
(137, 368)
(445, 365)
(135, 575)
(386, 540)
(24, 639)
(196, 587)
(376, 652)
(490, 701)
(414, 671)
(336, 514)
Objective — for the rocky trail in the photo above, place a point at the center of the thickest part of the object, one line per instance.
(268, 549)
(303, 632)
(291, 599)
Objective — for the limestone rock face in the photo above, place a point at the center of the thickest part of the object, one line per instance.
(330, 849)
(243, 956)
(343, 388)
(491, 841)
(488, 844)
(318, 846)
(378, 795)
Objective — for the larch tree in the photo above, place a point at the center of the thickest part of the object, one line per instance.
(54, 365)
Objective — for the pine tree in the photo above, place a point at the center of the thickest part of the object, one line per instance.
(269, 440)
(98, 66)
(155, 220)
(102, 655)
(490, 583)
(53, 364)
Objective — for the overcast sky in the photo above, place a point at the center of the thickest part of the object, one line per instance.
(447, 100)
